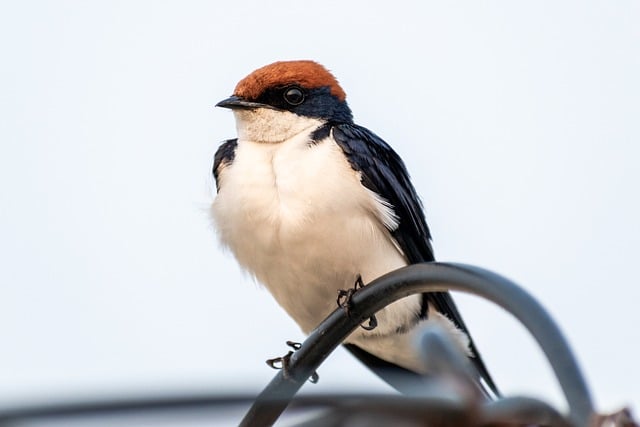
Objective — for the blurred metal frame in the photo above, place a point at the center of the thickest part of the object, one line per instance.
(448, 398)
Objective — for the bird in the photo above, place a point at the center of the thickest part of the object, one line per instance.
(310, 203)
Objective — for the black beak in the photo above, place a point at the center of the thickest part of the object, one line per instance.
(236, 102)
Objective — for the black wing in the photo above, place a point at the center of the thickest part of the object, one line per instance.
(223, 157)
(384, 173)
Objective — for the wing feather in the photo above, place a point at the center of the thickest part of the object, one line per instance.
(223, 157)
(384, 172)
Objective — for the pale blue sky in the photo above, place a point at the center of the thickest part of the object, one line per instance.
(518, 121)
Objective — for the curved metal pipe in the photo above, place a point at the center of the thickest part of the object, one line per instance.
(418, 278)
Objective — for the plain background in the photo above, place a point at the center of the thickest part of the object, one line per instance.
(519, 122)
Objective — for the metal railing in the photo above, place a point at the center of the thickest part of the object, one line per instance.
(433, 277)
(449, 397)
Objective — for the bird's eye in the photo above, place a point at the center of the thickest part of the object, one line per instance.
(294, 96)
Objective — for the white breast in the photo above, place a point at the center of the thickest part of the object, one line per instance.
(296, 216)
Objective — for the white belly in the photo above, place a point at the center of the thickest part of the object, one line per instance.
(296, 216)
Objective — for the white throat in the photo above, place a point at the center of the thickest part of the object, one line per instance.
(271, 126)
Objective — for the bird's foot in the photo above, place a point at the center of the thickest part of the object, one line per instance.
(283, 362)
(345, 295)
(344, 300)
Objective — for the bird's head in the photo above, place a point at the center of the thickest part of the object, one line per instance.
(282, 99)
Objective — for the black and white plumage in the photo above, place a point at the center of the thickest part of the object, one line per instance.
(308, 201)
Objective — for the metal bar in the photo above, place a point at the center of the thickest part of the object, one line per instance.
(426, 277)
(522, 411)
(442, 356)
(435, 406)
(436, 410)
(120, 405)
